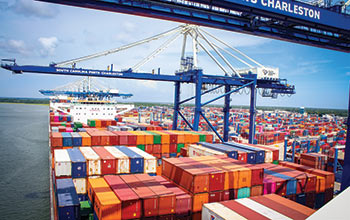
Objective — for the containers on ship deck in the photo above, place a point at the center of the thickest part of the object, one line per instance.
(260, 154)
(67, 140)
(78, 163)
(150, 162)
(108, 162)
(68, 205)
(122, 160)
(93, 162)
(76, 139)
(56, 139)
(148, 197)
(63, 163)
(136, 161)
(130, 202)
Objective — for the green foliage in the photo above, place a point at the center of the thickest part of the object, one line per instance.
(25, 100)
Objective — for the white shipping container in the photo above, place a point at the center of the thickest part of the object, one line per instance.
(80, 185)
(63, 163)
(268, 156)
(261, 209)
(217, 211)
(150, 162)
(93, 161)
(197, 150)
(123, 165)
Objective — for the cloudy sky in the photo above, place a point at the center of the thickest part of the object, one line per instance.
(37, 33)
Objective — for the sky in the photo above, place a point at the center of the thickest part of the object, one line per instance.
(37, 33)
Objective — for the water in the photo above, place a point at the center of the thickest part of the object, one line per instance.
(24, 162)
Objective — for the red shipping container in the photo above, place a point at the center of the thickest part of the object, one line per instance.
(122, 137)
(149, 148)
(108, 162)
(148, 197)
(157, 149)
(113, 138)
(56, 139)
(166, 202)
(173, 148)
(103, 123)
(95, 138)
(216, 176)
(130, 201)
(132, 138)
(105, 141)
(183, 200)
(215, 196)
(173, 137)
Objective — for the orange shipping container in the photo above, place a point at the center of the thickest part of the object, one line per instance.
(96, 185)
(165, 139)
(107, 206)
(85, 139)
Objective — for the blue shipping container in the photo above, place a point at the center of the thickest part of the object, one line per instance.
(64, 185)
(251, 155)
(68, 206)
(78, 163)
(77, 139)
(67, 140)
(260, 154)
(81, 130)
(221, 148)
(136, 161)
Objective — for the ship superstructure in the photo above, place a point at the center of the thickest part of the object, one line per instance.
(87, 99)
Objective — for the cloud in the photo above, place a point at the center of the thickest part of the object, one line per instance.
(14, 46)
(147, 84)
(34, 8)
(48, 45)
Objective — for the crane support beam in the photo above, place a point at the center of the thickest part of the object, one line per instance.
(287, 20)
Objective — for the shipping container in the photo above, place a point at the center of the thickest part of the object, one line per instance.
(136, 161)
(80, 185)
(96, 185)
(63, 163)
(67, 140)
(67, 199)
(77, 139)
(56, 139)
(78, 163)
(107, 206)
(108, 161)
(217, 211)
(148, 197)
(86, 139)
(222, 148)
(166, 198)
(122, 160)
(260, 154)
(130, 201)
(93, 162)
(150, 162)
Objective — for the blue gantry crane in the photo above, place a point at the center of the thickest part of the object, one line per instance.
(84, 89)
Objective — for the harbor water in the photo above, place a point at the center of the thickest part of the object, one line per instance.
(24, 162)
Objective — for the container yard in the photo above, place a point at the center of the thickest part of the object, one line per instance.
(194, 159)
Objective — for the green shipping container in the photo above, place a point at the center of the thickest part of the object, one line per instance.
(63, 124)
(91, 123)
(179, 146)
(85, 208)
(275, 162)
(78, 125)
(141, 147)
(157, 139)
(243, 193)
(91, 216)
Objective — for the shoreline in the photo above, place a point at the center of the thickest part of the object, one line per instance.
(22, 103)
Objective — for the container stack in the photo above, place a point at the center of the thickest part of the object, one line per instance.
(324, 183)
(314, 160)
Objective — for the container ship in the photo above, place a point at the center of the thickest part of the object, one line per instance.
(121, 168)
